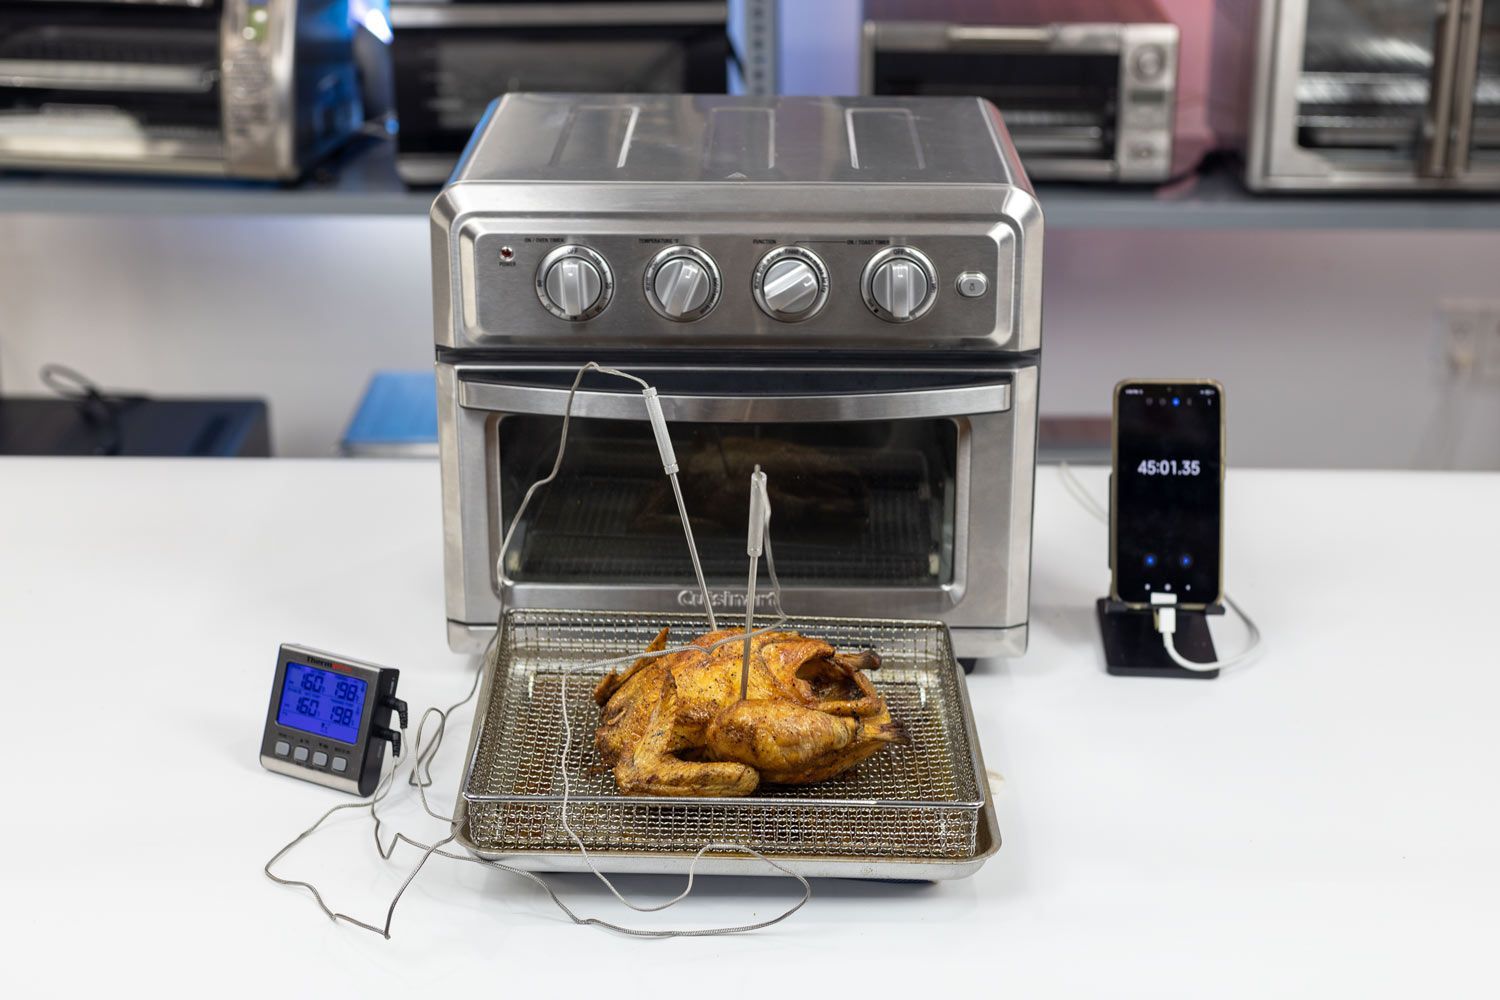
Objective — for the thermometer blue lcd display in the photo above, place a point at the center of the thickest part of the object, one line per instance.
(321, 702)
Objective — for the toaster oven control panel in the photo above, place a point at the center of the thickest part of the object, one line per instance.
(679, 287)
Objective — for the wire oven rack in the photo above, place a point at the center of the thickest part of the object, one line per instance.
(915, 811)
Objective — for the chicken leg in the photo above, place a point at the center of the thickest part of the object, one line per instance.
(654, 768)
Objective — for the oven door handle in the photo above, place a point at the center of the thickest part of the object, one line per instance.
(1001, 38)
(1465, 87)
(1437, 126)
(913, 404)
(127, 77)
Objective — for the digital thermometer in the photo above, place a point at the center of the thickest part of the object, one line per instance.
(329, 719)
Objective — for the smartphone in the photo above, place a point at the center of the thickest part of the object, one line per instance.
(1166, 495)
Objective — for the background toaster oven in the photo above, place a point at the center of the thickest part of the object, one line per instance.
(453, 58)
(1370, 94)
(1088, 88)
(239, 88)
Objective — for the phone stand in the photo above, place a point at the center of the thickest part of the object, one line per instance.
(1133, 647)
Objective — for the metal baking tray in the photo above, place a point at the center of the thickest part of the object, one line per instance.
(920, 811)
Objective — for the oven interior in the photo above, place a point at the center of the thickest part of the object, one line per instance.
(1062, 105)
(854, 504)
(110, 75)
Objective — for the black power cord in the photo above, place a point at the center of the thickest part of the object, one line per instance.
(99, 410)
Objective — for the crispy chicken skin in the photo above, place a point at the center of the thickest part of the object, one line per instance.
(675, 725)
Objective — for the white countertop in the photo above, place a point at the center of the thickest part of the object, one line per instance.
(1321, 823)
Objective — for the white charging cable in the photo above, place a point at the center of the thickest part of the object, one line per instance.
(1164, 616)
(1164, 606)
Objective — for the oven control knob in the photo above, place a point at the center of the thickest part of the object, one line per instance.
(899, 284)
(682, 284)
(790, 287)
(790, 284)
(574, 283)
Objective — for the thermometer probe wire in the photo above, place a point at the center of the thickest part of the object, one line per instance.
(419, 774)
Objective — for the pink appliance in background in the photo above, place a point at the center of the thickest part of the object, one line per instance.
(1193, 133)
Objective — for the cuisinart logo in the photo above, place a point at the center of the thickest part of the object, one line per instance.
(722, 598)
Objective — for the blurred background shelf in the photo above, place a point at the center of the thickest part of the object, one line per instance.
(364, 182)
(360, 181)
(1216, 198)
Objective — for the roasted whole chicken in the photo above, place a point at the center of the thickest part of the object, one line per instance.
(675, 724)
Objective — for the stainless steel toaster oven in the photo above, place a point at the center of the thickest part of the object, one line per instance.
(1087, 87)
(238, 88)
(453, 57)
(1375, 94)
(851, 301)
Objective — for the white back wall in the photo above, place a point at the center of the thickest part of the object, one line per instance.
(1327, 342)
(298, 310)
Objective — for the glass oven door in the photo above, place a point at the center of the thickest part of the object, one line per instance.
(1056, 105)
(1369, 94)
(452, 60)
(1058, 90)
(893, 492)
(110, 85)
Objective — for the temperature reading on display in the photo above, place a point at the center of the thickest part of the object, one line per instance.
(328, 719)
(322, 703)
(1169, 467)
